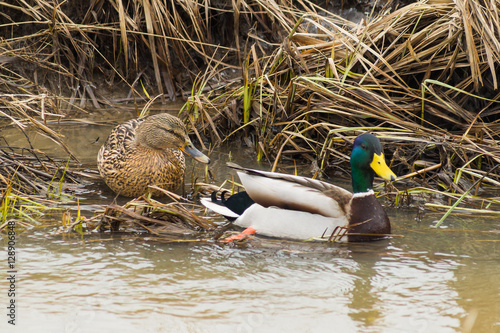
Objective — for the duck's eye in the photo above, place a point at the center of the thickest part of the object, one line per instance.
(173, 133)
(168, 130)
(363, 146)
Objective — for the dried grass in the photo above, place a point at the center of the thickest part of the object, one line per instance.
(423, 78)
(81, 48)
(173, 221)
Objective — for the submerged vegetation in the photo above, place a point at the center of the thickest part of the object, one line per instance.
(31, 183)
(294, 80)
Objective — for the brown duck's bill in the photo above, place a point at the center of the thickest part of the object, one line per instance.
(195, 153)
(378, 165)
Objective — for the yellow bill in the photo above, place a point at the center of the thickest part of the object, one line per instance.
(378, 165)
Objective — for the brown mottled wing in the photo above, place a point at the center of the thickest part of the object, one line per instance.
(294, 192)
(122, 136)
(116, 146)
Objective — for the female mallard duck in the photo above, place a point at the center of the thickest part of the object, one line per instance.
(286, 206)
(146, 151)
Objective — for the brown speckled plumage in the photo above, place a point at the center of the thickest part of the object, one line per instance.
(142, 152)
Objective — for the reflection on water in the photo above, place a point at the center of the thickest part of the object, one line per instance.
(428, 281)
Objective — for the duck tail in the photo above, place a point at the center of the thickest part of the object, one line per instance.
(231, 208)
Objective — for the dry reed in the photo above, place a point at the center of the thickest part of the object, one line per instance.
(423, 78)
(173, 221)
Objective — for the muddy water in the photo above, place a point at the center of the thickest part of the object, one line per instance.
(430, 280)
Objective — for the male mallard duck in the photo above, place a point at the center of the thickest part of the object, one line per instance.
(145, 151)
(294, 207)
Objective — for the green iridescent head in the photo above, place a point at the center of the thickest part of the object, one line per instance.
(367, 159)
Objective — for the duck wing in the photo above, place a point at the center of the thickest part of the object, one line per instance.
(271, 189)
(122, 136)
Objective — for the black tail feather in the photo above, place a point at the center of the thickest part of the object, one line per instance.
(237, 202)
